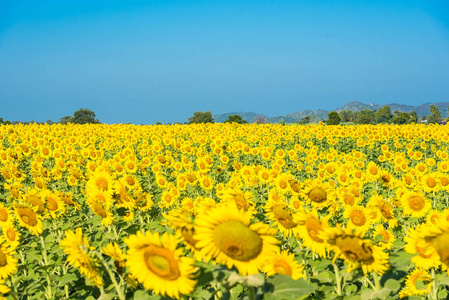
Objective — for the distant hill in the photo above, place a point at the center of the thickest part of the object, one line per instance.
(421, 110)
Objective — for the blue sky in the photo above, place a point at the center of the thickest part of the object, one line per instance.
(148, 61)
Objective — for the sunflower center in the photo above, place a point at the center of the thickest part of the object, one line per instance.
(102, 183)
(52, 204)
(441, 244)
(416, 203)
(237, 240)
(353, 248)
(431, 182)
(28, 216)
(282, 184)
(11, 234)
(357, 218)
(282, 267)
(284, 217)
(318, 195)
(373, 170)
(161, 262)
(313, 227)
(296, 187)
(3, 261)
(3, 215)
(444, 181)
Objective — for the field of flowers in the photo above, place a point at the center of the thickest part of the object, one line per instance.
(224, 211)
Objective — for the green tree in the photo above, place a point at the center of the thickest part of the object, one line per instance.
(4, 122)
(333, 118)
(414, 117)
(365, 116)
(346, 115)
(201, 117)
(402, 118)
(66, 119)
(305, 120)
(84, 116)
(383, 115)
(435, 115)
(236, 119)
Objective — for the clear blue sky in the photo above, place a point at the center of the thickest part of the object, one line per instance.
(148, 61)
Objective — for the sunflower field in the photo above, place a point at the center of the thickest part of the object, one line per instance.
(224, 211)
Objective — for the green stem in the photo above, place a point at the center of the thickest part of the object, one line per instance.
(251, 294)
(120, 293)
(44, 252)
(435, 285)
(337, 279)
(377, 285)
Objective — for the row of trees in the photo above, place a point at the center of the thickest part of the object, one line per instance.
(384, 116)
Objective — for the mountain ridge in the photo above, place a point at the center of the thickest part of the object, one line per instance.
(319, 114)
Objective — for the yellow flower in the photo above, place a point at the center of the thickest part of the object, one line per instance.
(415, 204)
(356, 250)
(8, 264)
(78, 251)
(156, 263)
(227, 235)
(284, 263)
(28, 218)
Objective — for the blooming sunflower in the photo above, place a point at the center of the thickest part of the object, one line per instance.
(284, 263)
(358, 217)
(158, 265)
(242, 200)
(8, 264)
(6, 216)
(280, 213)
(28, 217)
(78, 251)
(319, 194)
(227, 235)
(422, 260)
(435, 239)
(356, 250)
(415, 204)
(100, 179)
(310, 227)
(386, 237)
(113, 250)
(411, 286)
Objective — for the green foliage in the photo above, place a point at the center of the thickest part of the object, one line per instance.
(81, 116)
(384, 115)
(402, 118)
(346, 115)
(4, 122)
(201, 117)
(435, 115)
(236, 119)
(333, 118)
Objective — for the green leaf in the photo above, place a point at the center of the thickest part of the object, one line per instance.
(143, 295)
(286, 288)
(255, 280)
(67, 278)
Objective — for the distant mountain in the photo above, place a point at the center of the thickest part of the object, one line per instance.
(317, 115)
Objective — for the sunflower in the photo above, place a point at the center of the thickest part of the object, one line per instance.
(356, 250)
(282, 216)
(100, 201)
(415, 204)
(67, 198)
(6, 216)
(411, 287)
(386, 237)
(319, 194)
(357, 217)
(28, 217)
(227, 235)
(100, 179)
(429, 182)
(79, 254)
(435, 239)
(423, 259)
(242, 200)
(113, 251)
(8, 264)
(156, 262)
(12, 236)
(284, 263)
(55, 206)
(310, 227)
